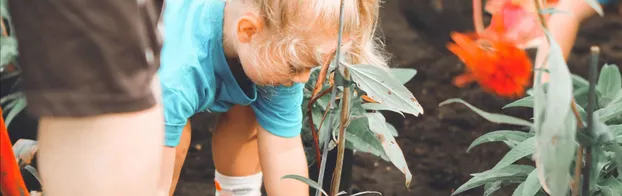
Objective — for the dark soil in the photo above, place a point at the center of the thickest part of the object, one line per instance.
(434, 144)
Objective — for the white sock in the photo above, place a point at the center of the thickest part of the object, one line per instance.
(238, 185)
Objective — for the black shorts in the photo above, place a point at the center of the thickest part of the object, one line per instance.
(87, 57)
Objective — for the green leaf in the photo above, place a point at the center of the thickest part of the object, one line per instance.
(616, 150)
(531, 185)
(496, 118)
(11, 96)
(392, 129)
(524, 102)
(609, 112)
(617, 132)
(519, 190)
(522, 150)
(8, 50)
(380, 107)
(492, 187)
(511, 172)
(596, 6)
(359, 137)
(601, 131)
(392, 149)
(611, 187)
(616, 99)
(20, 104)
(24, 150)
(380, 86)
(403, 75)
(34, 172)
(307, 181)
(502, 135)
(579, 82)
(609, 83)
(556, 130)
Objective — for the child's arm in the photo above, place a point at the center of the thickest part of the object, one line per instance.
(279, 116)
(563, 28)
(279, 157)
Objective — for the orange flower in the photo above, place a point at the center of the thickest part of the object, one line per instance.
(497, 65)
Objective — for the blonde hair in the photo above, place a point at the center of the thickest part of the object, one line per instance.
(293, 23)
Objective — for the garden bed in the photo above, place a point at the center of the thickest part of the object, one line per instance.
(434, 144)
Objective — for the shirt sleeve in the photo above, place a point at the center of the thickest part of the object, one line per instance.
(278, 109)
(177, 110)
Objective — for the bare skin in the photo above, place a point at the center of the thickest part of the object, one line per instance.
(563, 28)
(89, 154)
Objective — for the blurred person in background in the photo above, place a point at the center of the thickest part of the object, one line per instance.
(88, 74)
(564, 26)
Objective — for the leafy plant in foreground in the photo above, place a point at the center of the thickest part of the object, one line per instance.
(606, 141)
(367, 129)
(16, 102)
(556, 115)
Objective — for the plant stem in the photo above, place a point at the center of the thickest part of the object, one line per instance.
(591, 105)
(314, 131)
(341, 145)
(331, 103)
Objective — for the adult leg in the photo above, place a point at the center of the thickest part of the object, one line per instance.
(88, 68)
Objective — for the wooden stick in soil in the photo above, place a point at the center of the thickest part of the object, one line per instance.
(341, 145)
(593, 69)
(579, 170)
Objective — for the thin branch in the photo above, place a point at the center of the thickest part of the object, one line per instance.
(332, 100)
(315, 131)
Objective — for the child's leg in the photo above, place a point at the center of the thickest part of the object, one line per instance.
(234, 147)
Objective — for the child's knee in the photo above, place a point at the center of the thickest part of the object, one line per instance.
(239, 122)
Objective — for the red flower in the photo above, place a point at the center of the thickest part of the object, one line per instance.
(497, 65)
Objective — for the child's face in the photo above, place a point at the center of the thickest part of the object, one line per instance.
(262, 70)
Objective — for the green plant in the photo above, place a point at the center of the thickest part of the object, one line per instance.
(359, 125)
(605, 141)
(15, 102)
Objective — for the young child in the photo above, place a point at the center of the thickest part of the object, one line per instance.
(564, 27)
(249, 59)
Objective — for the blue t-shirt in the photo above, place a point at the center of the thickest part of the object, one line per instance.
(196, 78)
(607, 2)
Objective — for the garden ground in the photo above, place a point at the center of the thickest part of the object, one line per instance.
(434, 144)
